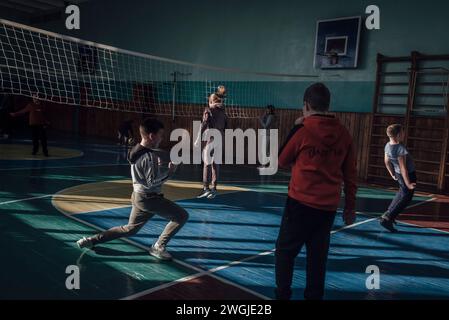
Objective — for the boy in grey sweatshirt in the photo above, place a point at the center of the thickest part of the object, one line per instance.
(147, 200)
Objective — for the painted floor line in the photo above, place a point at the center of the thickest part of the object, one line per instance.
(66, 167)
(413, 224)
(26, 199)
(200, 271)
(237, 262)
(164, 286)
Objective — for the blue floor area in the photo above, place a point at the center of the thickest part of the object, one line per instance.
(231, 227)
(414, 263)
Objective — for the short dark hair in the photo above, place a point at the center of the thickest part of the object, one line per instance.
(150, 125)
(318, 97)
(394, 130)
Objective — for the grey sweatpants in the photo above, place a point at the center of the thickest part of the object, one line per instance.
(144, 207)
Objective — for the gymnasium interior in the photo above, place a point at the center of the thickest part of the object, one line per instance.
(95, 64)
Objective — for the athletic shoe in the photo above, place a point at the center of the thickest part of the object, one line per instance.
(85, 243)
(388, 224)
(160, 252)
(212, 194)
(204, 194)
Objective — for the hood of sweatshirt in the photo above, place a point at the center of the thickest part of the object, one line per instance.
(136, 152)
(327, 129)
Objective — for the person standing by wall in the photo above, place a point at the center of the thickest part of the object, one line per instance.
(38, 123)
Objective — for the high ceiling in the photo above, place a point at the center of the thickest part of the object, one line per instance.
(36, 9)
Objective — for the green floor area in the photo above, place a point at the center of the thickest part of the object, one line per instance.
(37, 245)
(25, 183)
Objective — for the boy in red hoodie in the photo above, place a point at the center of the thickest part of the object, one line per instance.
(320, 153)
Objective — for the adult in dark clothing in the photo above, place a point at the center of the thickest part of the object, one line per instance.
(38, 123)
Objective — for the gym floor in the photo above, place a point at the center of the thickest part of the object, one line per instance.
(226, 249)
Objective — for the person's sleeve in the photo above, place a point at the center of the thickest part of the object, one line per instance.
(402, 151)
(350, 178)
(289, 152)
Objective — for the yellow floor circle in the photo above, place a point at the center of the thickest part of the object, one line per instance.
(23, 152)
(108, 195)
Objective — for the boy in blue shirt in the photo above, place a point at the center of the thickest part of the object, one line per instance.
(401, 167)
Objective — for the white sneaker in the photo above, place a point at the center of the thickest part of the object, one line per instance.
(160, 252)
(85, 243)
(204, 193)
(212, 194)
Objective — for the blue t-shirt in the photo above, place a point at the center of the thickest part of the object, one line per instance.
(394, 151)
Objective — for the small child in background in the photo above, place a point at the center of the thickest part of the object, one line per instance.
(125, 133)
(401, 167)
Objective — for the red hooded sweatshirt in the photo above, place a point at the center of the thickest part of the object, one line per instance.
(321, 155)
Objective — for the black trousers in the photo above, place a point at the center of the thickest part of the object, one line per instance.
(39, 133)
(302, 225)
(403, 197)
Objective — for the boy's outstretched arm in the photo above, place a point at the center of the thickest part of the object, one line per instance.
(350, 186)
(388, 166)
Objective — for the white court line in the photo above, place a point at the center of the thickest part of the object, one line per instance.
(353, 225)
(417, 225)
(233, 263)
(57, 193)
(332, 232)
(163, 286)
(200, 272)
(237, 262)
(26, 199)
(273, 250)
(211, 272)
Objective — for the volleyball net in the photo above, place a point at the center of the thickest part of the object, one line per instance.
(72, 71)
